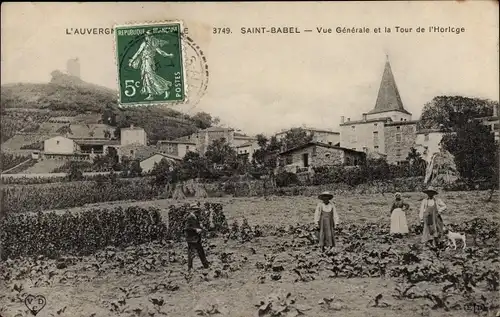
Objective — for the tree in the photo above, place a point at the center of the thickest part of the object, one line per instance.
(266, 156)
(204, 120)
(296, 137)
(107, 162)
(450, 112)
(74, 174)
(472, 147)
(416, 163)
(192, 166)
(221, 153)
(163, 172)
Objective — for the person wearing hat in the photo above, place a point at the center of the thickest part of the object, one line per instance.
(430, 210)
(193, 231)
(327, 219)
(399, 225)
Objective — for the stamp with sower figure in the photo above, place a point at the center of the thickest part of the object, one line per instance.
(150, 64)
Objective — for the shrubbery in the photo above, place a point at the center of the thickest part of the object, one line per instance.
(212, 218)
(84, 233)
(32, 198)
(8, 161)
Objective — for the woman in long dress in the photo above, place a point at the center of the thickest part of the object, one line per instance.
(152, 83)
(430, 210)
(399, 225)
(327, 219)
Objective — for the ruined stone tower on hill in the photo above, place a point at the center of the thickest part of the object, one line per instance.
(73, 67)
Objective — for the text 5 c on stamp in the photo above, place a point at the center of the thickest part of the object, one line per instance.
(150, 64)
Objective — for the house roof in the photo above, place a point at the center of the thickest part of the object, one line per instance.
(96, 142)
(321, 145)
(394, 123)
(246, 144)
(388, 98)
(310, 129)
(425, 131)
(176, 142)
(382, 119)
(216, 129)
(168, 156)
(76, 131)
(141, 151)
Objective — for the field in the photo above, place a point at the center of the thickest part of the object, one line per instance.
(279, 257)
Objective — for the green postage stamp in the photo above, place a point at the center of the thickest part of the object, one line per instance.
(150, 64)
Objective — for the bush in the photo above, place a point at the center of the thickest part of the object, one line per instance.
(53, 235)
(32, 198)
(177, 216)
(8, 161)
(285, 179)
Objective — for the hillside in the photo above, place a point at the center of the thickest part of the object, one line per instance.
(25, 106)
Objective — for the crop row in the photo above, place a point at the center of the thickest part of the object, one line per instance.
(33, 198)
(53, 235)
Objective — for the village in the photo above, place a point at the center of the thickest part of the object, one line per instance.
(386, 131)
(345, 165)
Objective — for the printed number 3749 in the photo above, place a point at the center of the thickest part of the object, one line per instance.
(130, 87)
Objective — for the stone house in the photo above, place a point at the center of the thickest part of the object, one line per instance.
(148, 163)
(318, 135)
(314, 154)
(400, 137)
(177, 148)
(387, 129)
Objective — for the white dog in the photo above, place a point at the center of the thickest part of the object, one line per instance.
(454, 236)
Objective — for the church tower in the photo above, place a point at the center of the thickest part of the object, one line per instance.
(389, 103)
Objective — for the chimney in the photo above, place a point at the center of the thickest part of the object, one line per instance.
(131, 126)
(364, 116)
(348, 119)
(341, 119)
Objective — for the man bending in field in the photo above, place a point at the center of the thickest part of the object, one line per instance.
(193, 237)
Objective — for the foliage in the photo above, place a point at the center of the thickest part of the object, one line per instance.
(225, 159)
(204, 120)
(82, 166)
(107, 162)
(162, 172)
(33, 146)
(211, 217)
(192, 166)
(267, 155)
(285, 179)
(415, 163)
(53, 235)
(472, 146)
(8, 160)
(296, 137)
(130, 168)
(451, 112)
(32, 198)
(74, 173)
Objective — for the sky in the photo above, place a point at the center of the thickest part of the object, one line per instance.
(262, 83)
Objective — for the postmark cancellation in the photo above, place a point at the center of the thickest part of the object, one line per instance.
(151, 63)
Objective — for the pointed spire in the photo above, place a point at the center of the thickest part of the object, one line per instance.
(388, 98)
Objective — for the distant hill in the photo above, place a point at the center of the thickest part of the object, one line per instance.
(64, 93)
(72, 97)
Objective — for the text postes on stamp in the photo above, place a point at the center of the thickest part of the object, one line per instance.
(150, 64)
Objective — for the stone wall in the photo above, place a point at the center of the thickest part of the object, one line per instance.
(399, 139)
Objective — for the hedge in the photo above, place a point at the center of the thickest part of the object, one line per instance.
(79, 234)
(33, 198)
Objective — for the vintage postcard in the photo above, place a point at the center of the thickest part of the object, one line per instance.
(249, 159)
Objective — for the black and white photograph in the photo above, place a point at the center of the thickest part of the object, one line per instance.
(240, 159)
